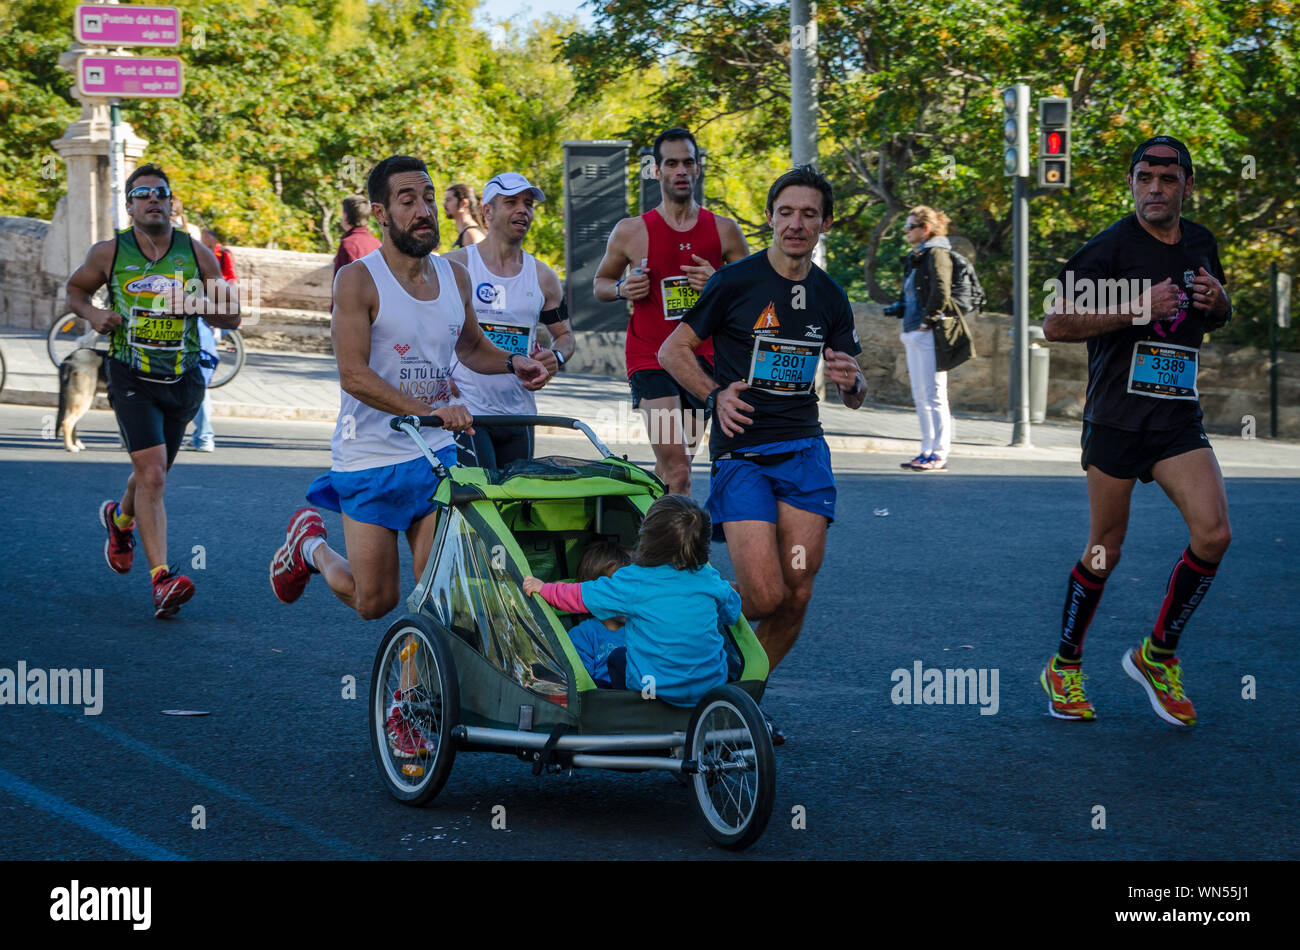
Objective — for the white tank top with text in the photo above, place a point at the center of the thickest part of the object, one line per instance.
(411, 347)
(507, 309)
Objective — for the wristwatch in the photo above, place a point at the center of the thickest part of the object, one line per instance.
(510, 364)
(618, 289)
(709, 402)
(559, 358)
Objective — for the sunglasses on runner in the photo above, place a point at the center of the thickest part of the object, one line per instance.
(160, 191)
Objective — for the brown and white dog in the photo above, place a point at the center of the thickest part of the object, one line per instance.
(80, 376)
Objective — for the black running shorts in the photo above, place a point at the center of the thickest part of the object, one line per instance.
(1123, 454)
(494, 447)
(659, 383)
(151, 413)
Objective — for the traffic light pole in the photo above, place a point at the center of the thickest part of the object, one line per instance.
(1020, 355)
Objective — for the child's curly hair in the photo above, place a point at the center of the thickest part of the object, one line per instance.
(602, 558)
(675, 531)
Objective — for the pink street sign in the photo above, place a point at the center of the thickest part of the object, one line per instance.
(130, 77)
(99, 24)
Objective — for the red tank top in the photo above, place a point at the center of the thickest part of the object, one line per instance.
(652, 320)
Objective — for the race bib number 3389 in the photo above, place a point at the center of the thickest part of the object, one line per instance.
(1163, 371)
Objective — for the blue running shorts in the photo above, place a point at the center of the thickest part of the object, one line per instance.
(394, 496)
(744, 490)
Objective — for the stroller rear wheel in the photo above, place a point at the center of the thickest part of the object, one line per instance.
(414, 705)
(736, 784)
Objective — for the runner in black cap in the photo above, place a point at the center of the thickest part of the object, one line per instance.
(1143, 293)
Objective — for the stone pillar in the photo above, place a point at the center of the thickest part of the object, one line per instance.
(84, 215)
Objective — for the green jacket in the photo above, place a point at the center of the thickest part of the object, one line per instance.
(933, 266)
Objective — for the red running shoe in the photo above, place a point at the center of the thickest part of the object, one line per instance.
(119, 549)
(169, 592)
(289, 571)
(405, 740)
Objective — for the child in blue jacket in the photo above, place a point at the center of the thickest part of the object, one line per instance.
(673, 601)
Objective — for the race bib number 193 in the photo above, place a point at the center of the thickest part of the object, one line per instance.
(1163, 371)
(783, 367)
(678, 296)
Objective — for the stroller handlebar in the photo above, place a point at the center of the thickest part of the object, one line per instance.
(558, 422)
(434, 422)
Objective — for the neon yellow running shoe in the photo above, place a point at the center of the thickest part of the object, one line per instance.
(1064, 687)
(1163, 683)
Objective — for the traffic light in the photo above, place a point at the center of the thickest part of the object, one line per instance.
(1053, 142)
(1015, 108)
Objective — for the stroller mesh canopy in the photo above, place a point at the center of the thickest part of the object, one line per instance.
(479, 599)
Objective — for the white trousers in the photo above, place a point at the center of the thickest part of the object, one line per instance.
(929, 393)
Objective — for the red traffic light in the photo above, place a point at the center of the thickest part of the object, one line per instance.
(1054, 143)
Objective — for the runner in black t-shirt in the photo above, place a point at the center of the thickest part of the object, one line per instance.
(771, 316)
(1143, 293)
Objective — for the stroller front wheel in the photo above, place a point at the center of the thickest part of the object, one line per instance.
(414, 706)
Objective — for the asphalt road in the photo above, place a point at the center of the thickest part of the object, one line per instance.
(964, 569)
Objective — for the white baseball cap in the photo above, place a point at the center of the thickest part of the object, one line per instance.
(511, 183)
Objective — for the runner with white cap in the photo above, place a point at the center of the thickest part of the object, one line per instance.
(513, 294)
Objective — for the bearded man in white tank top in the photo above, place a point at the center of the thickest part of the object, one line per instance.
(401, 317)
(512, 293)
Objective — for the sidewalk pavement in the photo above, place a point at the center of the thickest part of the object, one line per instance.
(304, 387)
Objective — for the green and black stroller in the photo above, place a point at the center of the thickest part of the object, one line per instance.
(478, 666)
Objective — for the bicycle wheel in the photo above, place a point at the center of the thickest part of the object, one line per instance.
(414, 706)
(68, 334)
(230, 347)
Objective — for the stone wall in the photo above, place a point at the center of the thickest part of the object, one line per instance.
(1233, 380)
(292, 304)
(29, 298)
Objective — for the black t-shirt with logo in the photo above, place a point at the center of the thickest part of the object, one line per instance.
(771, 331)
(1139, 377)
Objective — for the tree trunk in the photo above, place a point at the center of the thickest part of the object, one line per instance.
(874, 289)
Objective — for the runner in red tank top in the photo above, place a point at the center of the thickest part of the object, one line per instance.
(667, 254)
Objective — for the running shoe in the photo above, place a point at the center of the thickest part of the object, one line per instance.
(1163, 683)
(1064, 688)
(773, 730)
(289, 571)
(932, 464)
(119, 549)
(914, 463)
(405, 740)
(169, 592)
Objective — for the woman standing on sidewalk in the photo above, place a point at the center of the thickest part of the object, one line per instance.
(927, 292)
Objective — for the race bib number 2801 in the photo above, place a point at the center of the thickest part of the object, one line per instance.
(783, 367)
(1163, 371)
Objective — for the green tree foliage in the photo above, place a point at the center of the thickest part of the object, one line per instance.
(289, 104)
(911, 113)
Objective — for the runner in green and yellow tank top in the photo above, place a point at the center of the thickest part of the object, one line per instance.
(154, 342)
(160, 283)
